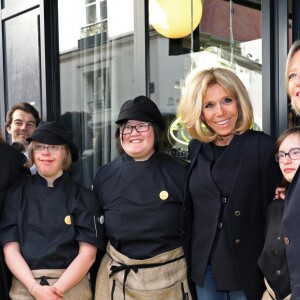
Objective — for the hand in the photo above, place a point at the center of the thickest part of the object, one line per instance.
(46, 292)
(280, 193)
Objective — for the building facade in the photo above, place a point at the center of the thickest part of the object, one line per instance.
(77, 61)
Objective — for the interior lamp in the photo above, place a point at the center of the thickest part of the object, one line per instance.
(175, 18)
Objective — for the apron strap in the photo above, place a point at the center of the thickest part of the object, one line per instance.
(135, 268)
(271, 296)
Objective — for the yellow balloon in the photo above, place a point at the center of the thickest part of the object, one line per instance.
(172, 18)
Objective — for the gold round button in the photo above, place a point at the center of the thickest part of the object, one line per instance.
(163, 195)
(68, 220)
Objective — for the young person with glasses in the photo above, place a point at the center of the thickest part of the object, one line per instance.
(50, 226)
(273, 261)
(141, 194)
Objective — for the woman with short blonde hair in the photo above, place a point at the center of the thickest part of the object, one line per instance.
(190, 107)
(230, 182)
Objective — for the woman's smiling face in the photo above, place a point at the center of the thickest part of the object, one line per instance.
(220, 111)
(294, 81)
(138, 145)
(49, 164)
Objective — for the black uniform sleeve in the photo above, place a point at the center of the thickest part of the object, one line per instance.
(87, 219)
(13, 168)
(9, 219)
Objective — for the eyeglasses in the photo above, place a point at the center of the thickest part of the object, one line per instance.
(50, 148)
(140, 127)
(292, 154)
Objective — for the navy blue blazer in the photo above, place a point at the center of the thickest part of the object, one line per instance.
(291, 233)
(252, 190)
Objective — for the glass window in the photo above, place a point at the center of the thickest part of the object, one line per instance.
(91, 16)
(96, 76)
(96, 11)
(22, 60)
(103, 10)
(225, 34)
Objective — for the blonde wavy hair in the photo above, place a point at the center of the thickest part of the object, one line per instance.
(190, 106)
(294, 48)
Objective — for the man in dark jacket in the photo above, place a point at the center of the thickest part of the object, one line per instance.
(12, 169)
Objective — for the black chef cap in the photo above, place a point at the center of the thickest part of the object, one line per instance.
(54, 133)
(141, 108)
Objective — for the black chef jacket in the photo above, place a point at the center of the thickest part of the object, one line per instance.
(142, 202)
(12, 169)
(48, 222)
(272, 260)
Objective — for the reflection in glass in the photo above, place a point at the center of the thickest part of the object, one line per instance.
(91, 14)
(96, 73)
(229, 35)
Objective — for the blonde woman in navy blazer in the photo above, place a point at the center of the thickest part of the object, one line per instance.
(230, 183)
(291, 220)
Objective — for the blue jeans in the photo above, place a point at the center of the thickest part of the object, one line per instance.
(209, 291)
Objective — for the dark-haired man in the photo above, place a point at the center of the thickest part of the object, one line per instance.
(21, 121)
